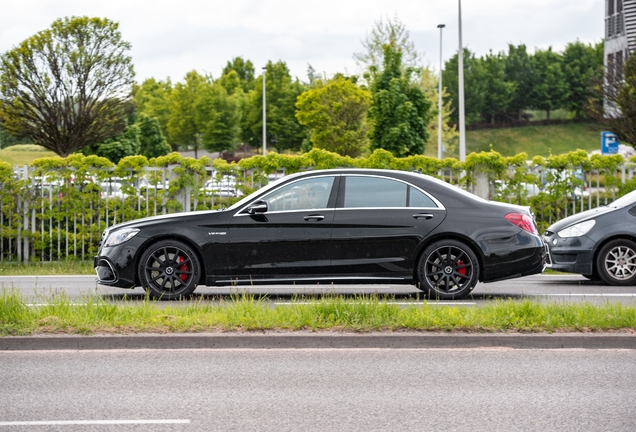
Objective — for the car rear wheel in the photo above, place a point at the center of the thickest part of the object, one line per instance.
(169, 270)
(616, 262)
(448, 270)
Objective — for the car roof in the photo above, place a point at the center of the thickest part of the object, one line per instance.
(449, 195)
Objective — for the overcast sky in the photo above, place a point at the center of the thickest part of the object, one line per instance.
(170, 38)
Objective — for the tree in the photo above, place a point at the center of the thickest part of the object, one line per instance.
(391, 31)
(152, 99)
(182, 126)
(152, 142)
(244, 70)
(473, 86)
(116, 148)
(518, 70)
(8, 140)
(618, 89)
(65, 87)
(218, 116)
(312, 76)
(582, 66)
(400, 110)
(429, 83)
(283, 130)
(550, 90)
(497, 92)
(231, 82)
(335, 112)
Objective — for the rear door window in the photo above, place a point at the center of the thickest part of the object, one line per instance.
(378, 192)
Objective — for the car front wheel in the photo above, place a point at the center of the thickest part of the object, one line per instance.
(448, 270)
(169, 270)
(616, 262)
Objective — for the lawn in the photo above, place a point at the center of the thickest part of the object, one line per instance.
(536, 140)
(22, 154)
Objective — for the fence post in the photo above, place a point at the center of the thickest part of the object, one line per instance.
(196, 189)
(482, 185)
(25, 218)
(183, 196)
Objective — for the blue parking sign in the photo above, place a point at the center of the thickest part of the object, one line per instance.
(609, 143)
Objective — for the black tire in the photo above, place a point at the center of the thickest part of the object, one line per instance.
(169, 270)
(616, 262)
(448, 270)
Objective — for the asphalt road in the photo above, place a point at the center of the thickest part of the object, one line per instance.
(318, 390)
(567, 288)
(492, 387)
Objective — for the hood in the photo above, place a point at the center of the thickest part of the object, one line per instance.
(175, 217)
(580, 217)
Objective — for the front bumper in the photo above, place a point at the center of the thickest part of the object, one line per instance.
(570, 255)
(109, 274)
(116, 266)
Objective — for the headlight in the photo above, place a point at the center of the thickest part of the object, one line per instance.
(120, 236)
(577, 230)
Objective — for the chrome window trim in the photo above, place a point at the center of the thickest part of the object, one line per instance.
(390, 208)
(440, 206)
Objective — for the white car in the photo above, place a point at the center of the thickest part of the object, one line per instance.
(225, 186)
(112, 189)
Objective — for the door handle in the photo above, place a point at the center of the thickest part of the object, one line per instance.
(423, 216)
(317, 218)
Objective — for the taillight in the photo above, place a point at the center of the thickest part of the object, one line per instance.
(523, 221)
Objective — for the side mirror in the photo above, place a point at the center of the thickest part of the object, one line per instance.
(257, 207)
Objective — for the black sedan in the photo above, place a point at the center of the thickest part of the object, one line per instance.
(330, 226)
(598, 243)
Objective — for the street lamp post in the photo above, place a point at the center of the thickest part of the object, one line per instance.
(462, 119)
(264, 114)
(439, 105)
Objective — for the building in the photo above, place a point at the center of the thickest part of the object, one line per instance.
(620, 34)
(620, 43)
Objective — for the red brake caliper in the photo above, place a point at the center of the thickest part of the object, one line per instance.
(461, 271)
(183, 267)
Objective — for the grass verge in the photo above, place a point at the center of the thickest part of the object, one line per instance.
(47, 268)
(59, 314)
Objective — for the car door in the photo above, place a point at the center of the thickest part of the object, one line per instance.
(378, 224)
(291, 238)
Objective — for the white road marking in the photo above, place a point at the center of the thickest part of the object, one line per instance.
(50, 304)
(43, 276)
(90, 422)
(589, 295)
(453, 303)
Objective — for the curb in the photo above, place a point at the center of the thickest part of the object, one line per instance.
(301, 340)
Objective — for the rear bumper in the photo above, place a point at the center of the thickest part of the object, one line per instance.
(524, 262)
